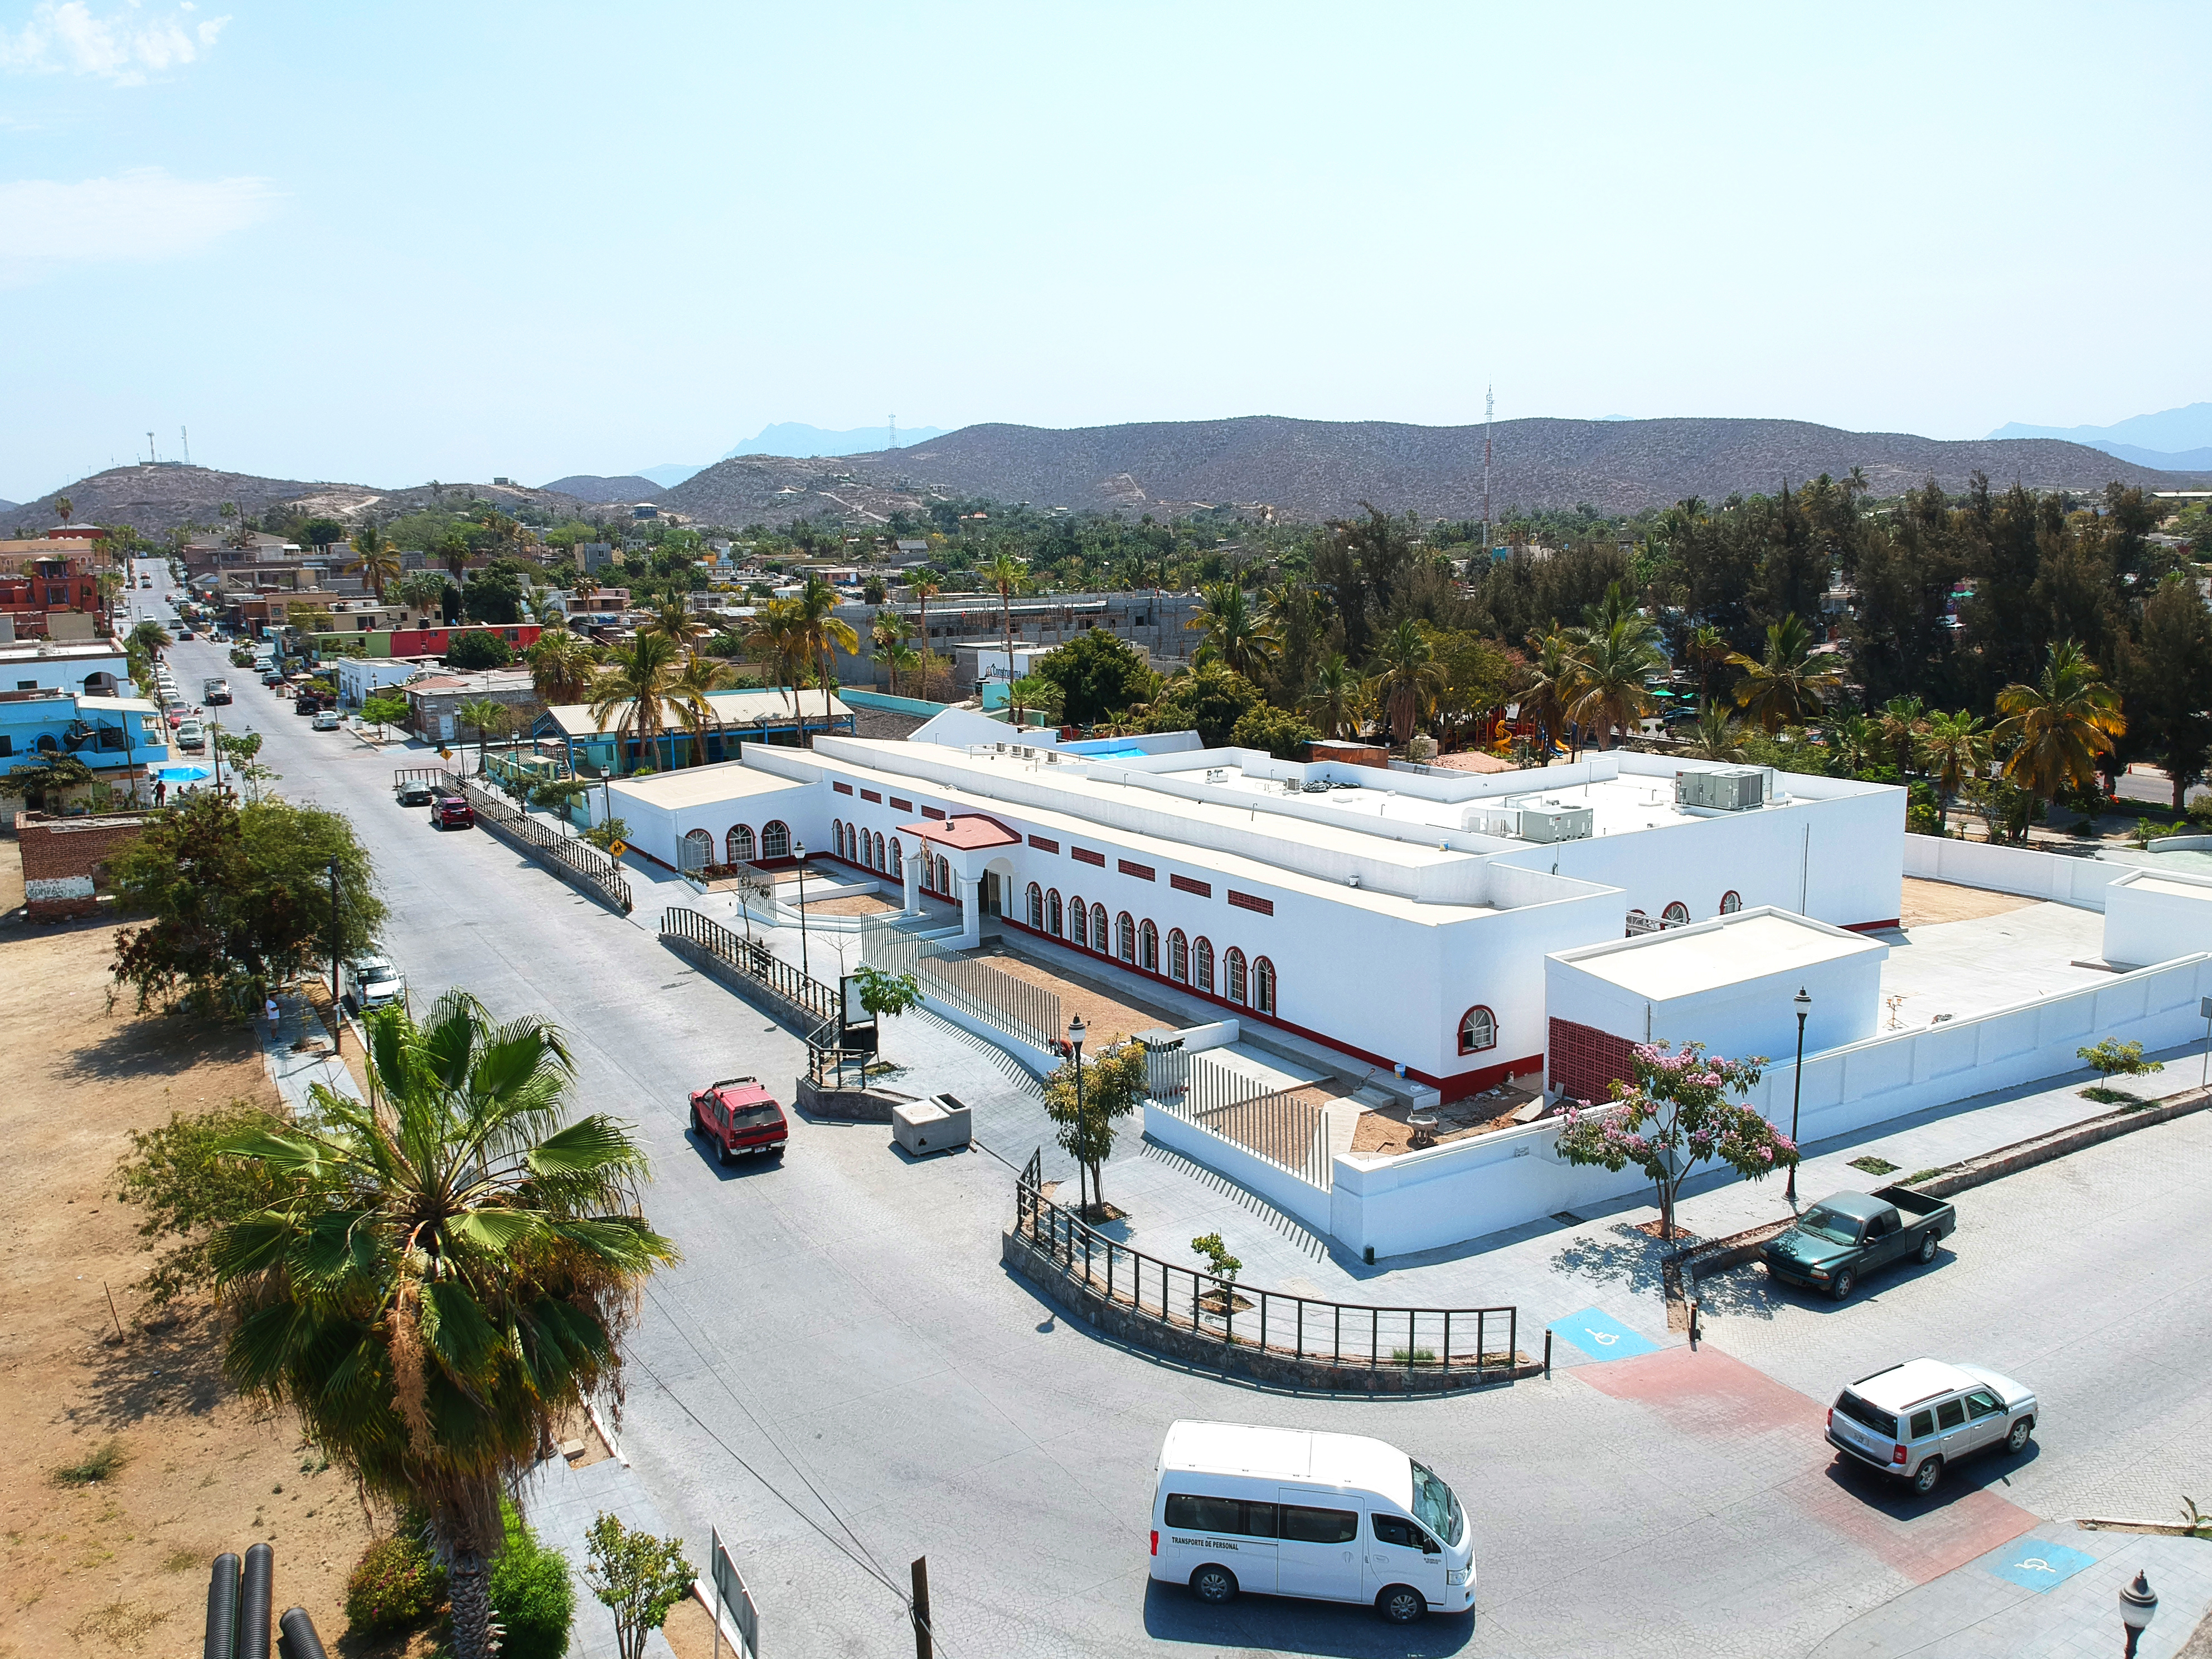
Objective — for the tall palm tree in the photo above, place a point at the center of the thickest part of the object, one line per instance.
(1335, 694)
(678, 621)
(825, 631)
(1716, 735)
(448, 1275)
(562, 664)
(1856, 741)
(693, 696)
(1705, 649)
(633, 691)
(1901, 721)
(147, 640)
(2056, 728)
(899, 657)
(1785, 687)
(1006, 574)
(1556, 682)
(1408, 677)
(1955, 750)
(774, 637)
(925, 588)
(375, 558)
(885, 635)
(485, 716)
(1235, 636)
(1612, 681)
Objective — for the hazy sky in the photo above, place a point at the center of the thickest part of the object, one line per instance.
(388, 242)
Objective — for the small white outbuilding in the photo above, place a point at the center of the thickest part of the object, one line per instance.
(1730, 983)
(2154, 916)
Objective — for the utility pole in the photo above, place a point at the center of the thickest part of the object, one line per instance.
(1489, 419)
(337, 1012)
(923, 1647)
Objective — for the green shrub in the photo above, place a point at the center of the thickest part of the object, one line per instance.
(531, 1593)
(396, 1585)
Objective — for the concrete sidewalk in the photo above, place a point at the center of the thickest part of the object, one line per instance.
(561, 1502)
(295, 1073)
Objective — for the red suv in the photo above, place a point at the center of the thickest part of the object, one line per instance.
(738, 1115)
(453, 812)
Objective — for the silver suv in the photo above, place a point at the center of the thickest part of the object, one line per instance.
(1913, 1419)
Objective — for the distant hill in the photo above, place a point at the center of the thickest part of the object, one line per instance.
(8, 506)
(2173, 440)
(797, 439)
(1312, 470)
(585, 487)
(160, 497)
(669, 474)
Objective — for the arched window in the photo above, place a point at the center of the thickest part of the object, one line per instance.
(943, 878)
(1125, 939)
(1477, 1030)
(1178, 957)
(1078, 919)
(1036, 907)
(898, 860)
(739, 842)
(1098, 940)
(775, 839)
(1263, 985)
(698, 849)
(1233, 971)
(1203, 975)
(1148, 948)
(1675, 914)
(1053, 921)
(1731, 902)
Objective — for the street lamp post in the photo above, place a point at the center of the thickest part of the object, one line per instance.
(1076, 1032)
(2137, 1604)
(337, 1014)
(799, 852)
(1797, 1091)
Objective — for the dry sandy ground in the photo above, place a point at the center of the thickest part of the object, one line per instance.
(1940, 901)
(121, 1566)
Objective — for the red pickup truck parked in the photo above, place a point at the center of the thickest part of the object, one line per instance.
(737, 1115)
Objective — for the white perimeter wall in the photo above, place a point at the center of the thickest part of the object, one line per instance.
(2012, 870)
(1464, 1189)
(2144, 925)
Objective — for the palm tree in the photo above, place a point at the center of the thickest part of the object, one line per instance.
(1901, 721)
(375, 558)
(633, 691)
(1408, 676)
(693, 696)
(2056, 728)
(824, 631)
(65, 508)
(1557, 683)
(1955, 750)
(1235, 636)
(548, 611)
(1004, 573)
(445, 1278)
(562, 664)
(1856, 741)
(1613, 677)
(774, 638)
(1706, 648)
(899, 656)
(1716, 735)
(147, 640)
(885, 635)
(678, 622)
(1335, 694)
(484, 715)
(1785, 687)
(925, 589)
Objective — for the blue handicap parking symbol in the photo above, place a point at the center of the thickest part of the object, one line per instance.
(2036, 1564)
(1601, 1336)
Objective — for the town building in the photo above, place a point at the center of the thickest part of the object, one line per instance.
(434, 702)
(360, 678)
(97, 668)
(590, 742)
(65, 859)
(118, 738)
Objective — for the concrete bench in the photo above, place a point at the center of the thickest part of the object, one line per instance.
(936, 1124)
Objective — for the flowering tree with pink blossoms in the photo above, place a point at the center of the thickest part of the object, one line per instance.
(1674, 1116)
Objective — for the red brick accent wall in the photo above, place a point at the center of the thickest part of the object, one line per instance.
(62, 860)
(1585, 1060)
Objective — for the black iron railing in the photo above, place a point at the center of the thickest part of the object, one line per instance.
(1478, 1341)
(755, 961)
(573, 853)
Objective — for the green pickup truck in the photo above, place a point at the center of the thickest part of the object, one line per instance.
(1839, 1239)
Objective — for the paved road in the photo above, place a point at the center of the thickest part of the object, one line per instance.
(841, 1378)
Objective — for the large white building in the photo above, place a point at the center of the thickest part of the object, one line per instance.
(1401, 918)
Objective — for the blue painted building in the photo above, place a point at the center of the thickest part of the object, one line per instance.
(116, 737)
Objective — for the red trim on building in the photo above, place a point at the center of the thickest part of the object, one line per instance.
(841, 788)
(898, 806)
(1252, 902)
(1141, 872)
(875, 796)
(1185, 884)
(932, 812)
(1085, 855)
(1872, 927)
(1042, 845)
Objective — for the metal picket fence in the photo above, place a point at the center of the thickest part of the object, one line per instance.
(755, 961)
(1000, 1000)
(571, 854)
(1287, 1127)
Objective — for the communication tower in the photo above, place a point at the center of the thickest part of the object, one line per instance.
(1489, 416)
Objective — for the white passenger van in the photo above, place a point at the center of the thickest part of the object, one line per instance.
(1336, 1518)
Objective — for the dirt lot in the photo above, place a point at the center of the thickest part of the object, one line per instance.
(1940, 901)
(120, 1564)
(1111, 1014)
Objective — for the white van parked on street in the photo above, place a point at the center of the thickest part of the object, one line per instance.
(1334, 1517)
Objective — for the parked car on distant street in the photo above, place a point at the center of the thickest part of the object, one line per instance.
(417, 792)
(191, 734)
(272, 677)
(738, 1115)
(453, 812)
(1915, 1420)
(1839, 1239)
(306, 703)
(215, 691)
(327, 720)
(371, 982)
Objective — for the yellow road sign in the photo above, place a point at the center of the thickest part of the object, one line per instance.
(617, 848)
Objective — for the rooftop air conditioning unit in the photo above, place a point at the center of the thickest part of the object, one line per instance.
(1555, 823)
(1730, 789)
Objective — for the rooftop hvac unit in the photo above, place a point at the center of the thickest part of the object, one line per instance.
(1730, 789)
(1554, 823)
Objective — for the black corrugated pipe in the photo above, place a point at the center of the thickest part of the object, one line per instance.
(296, 1638)
(255, 1596)
(222, 1608)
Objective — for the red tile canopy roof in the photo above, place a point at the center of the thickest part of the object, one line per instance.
(966, 833)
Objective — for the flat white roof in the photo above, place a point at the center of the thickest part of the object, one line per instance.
(2170, 886)
(1685, 961)
(733, 709)
(1304, 1454)
(703, 786)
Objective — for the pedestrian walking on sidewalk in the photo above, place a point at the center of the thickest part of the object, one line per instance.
(269, 1009)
